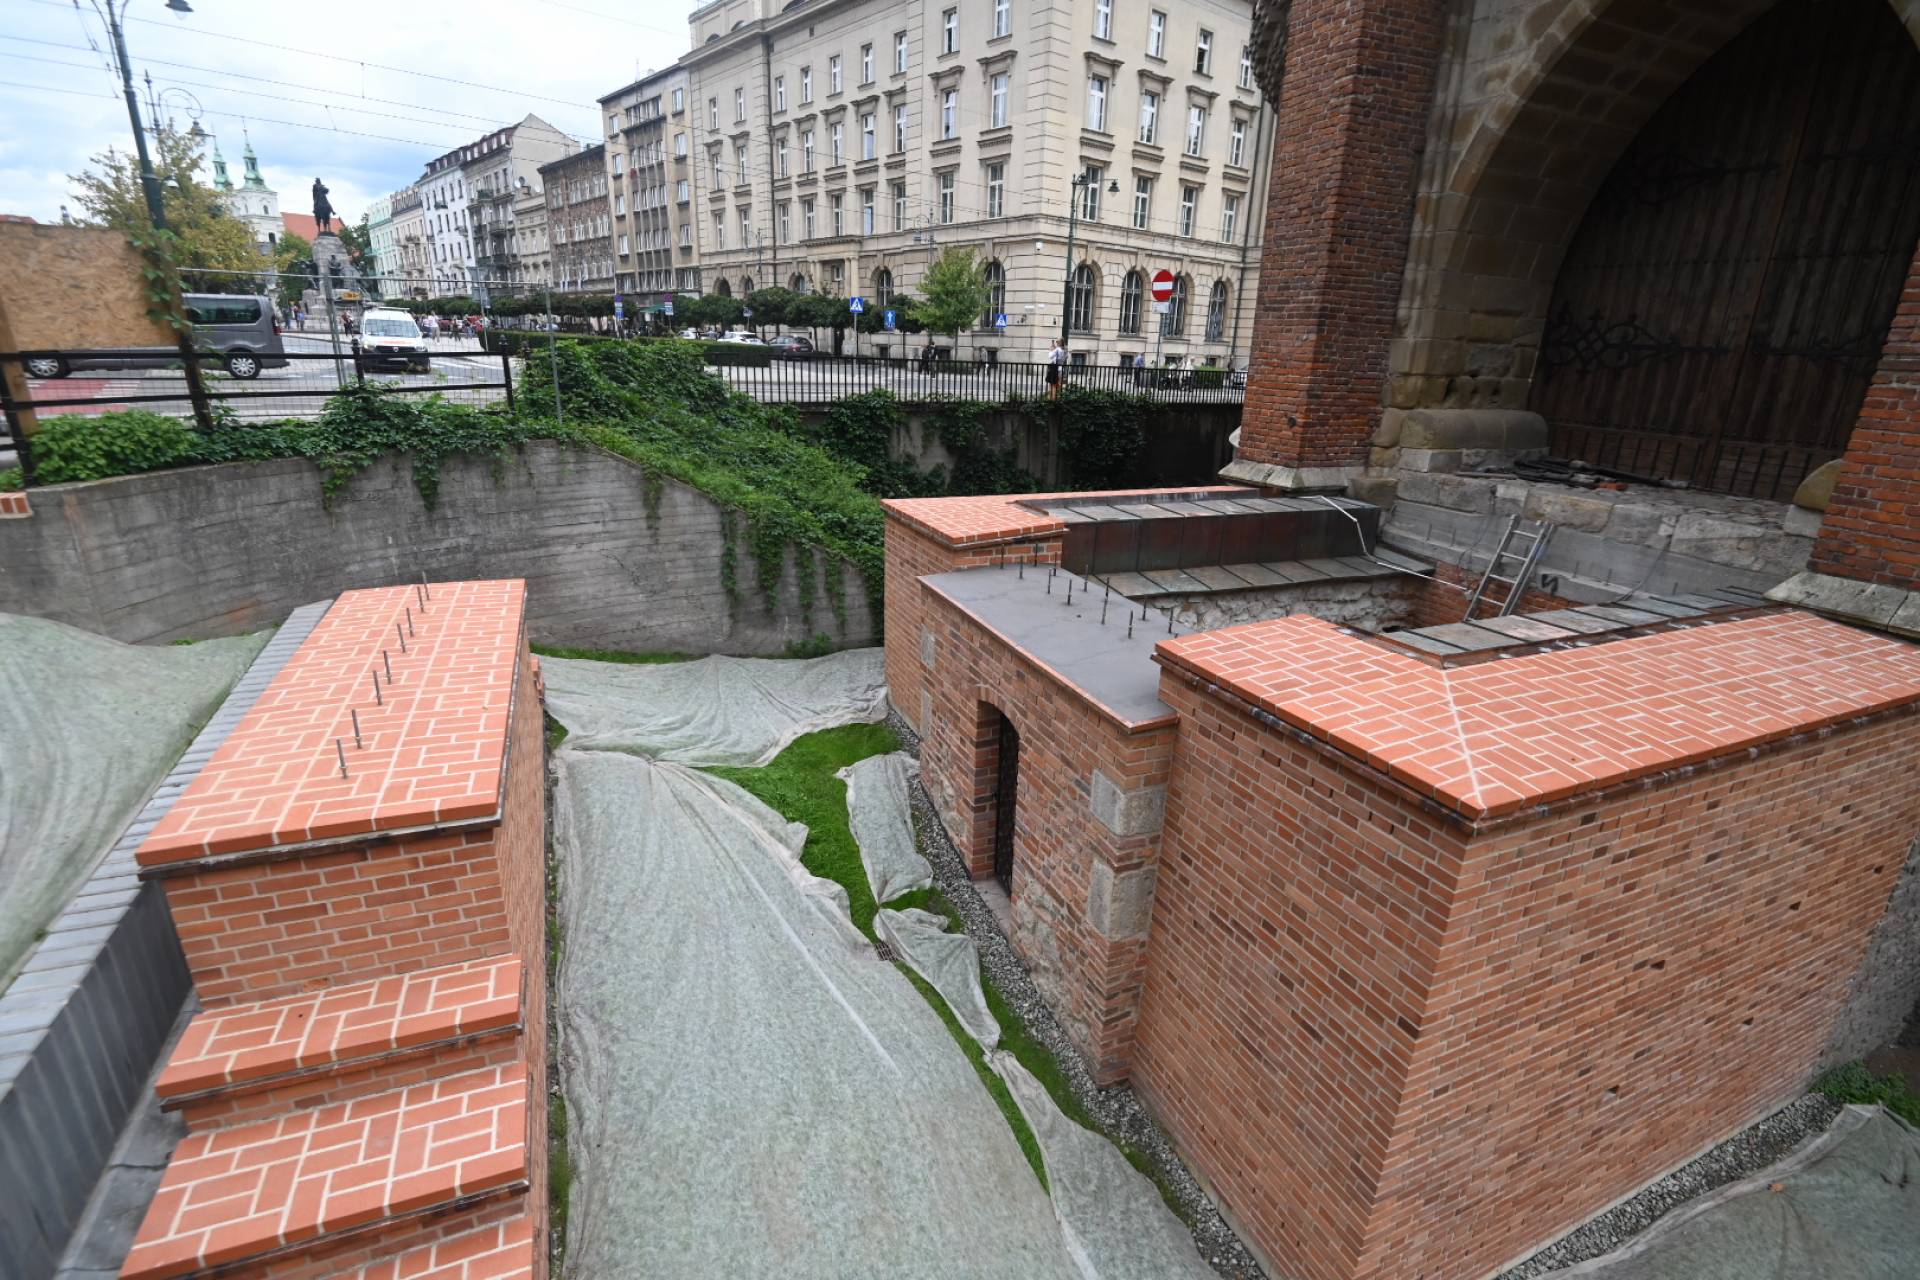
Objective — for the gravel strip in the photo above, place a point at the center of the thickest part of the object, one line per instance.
(1117, 1111)
(1122, 1118)
(1741, 1156)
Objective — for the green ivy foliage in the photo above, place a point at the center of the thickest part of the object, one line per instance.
(86, 447)
(1102, 434)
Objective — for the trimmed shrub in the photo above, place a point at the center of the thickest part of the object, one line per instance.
(740, 354)
(92, 447)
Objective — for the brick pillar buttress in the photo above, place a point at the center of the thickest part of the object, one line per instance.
(1352, 81)
(1866, 564)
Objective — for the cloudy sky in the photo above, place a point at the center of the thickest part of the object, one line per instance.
(361, 93)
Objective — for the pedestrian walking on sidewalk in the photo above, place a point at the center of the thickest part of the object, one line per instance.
(1056, 365)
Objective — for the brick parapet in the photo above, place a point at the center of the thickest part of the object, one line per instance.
(1350, 126)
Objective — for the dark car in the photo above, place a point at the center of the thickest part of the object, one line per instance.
(791, 346)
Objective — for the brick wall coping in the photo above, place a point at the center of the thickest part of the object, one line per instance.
(245, 1192)
(966, 522)
(1492, 739)
(501, 1251)
(1112, 673)
(255, 1042)
(434, 746)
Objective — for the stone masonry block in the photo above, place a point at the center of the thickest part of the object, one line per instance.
(1568, 509)
(1455, 493)
(927, 644)
(1120, 903)
(1472, 429)
(926, 714)
(1135, 812)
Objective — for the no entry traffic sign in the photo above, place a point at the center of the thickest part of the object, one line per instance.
(1162, 285)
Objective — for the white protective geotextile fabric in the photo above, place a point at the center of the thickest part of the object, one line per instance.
(948, 961)
(752, 1091)
(718, 710)
(88, 727)
(1115, 1225)
(882, 821)
(1844, 1206)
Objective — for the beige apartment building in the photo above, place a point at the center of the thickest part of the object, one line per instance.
(579, 222)
(652, 205)
(841, 145)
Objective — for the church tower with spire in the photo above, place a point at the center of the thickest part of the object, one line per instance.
(253, 201)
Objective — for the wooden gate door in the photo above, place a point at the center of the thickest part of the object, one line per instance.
(1722, 307)
(1005, 802)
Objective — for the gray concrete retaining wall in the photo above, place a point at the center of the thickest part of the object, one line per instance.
(220, 550)
(83, 1022)
(1886, 990)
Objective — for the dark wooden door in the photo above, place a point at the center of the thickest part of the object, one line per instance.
(1006, 798)
(1721, 309)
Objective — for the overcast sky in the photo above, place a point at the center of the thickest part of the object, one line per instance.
(312, 102)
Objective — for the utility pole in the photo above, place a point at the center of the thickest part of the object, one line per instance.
(1081, 181)
(150, 185)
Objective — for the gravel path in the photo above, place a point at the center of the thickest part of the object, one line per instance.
(1117, 1111)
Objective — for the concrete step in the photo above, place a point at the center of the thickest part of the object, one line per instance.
(244, 1063)
(398, 1170)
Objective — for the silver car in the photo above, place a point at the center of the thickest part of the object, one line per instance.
(238, 326)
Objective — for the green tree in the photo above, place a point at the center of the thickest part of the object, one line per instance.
(291, 255)
(207, 239)
(772, 306)
(953, 293)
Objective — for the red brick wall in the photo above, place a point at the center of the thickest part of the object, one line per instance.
(521, 848)
(1397, 1050)
(1351, 120)
(1091, 981)
(230, 1108)
(911, 555)
(1872, 527)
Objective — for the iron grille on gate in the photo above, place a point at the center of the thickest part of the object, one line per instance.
(1006, 803)
(1721, 309)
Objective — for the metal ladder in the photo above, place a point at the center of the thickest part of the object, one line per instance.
(1525, 546)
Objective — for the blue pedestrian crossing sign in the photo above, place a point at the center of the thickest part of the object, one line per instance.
(856, 304)
(619, 308)
(1000, 320)
(889, 317)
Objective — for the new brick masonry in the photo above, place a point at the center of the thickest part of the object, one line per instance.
(366, 1087)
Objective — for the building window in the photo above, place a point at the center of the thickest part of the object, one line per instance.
(1156, 34)
(869, 137)
(679, 101)
(806, 219)
(1103, 19)
(1246, 66)
(623, 244)
(1229, 217)
(1196, 129)
(996, 279)
(996, 190)
(1189, 196)
(900, 52)
(784, 227)
(682, 190)
(1142, 201)
(780, 157)
(1097, 103)
(1090, 193)
(1237, 143)
(686, 235)
(883, 286)
(1002, 17)
(1173, 322)
(680, 145)
(837, 213)
(833, 75)
(719, 229)
(779, 93)
(837, 143)
(713, 113)
(950, 113)
(746, 229)
(1080, 299)
(946, 197)
(806, 85)
(806, 151)
(719, 170)
(1149, 115)
(1203, 53)
(739, 104)
(997, 98)
(740, 164)
(900, 126)
(722, 288)
(619, 166)
(950, 31)
(1130, 291)
(620, 206)
(837, 273)
(899, 206)
(1217, 311)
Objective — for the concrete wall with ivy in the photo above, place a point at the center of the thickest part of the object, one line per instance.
(613, 558)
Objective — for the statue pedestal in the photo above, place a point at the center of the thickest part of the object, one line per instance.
(349, 291)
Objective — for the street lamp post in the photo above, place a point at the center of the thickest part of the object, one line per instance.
(150, 181)
(1080, 181)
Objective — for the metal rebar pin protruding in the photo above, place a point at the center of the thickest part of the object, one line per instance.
(420, 593)
(341, 749)
(400, 631)
(1129, 624)
(378, 701)
(1023, 568)
(355, 713)
(1049, 584)
(409, 619)
(1103, 608)
(425, 590)
(1169, 622)
(1069, 600)
(387, 664)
